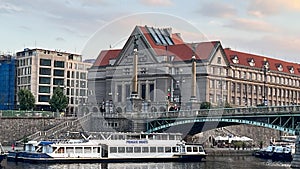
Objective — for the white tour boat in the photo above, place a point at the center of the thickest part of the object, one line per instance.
(112, 147)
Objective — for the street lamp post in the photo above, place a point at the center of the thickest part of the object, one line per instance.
(265, 68)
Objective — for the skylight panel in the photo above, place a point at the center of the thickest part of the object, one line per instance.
(160, 36)
(154, 36)
(167, 37)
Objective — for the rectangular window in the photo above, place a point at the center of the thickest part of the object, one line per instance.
(87, 150)
(119, 93)
(127, 90)
(143, 91)
(82, 75)
(152, 149)
(43, 98)
(137, 149)
(44, 89)
(151, 89)
(145, 149)
(69, 150)
(59, 73)
(121, 149)
(60, 64)
(211, 84)
(160, 149)
(78, 150)
(45, 71)
(44, 80)
(82, 92)
(238, 87)
(45, 62)
(113, 149)
(168, 149)
(57, 81)
(82, 84)
(68, 74)
(129, 149)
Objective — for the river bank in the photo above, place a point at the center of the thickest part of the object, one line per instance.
(228, 152)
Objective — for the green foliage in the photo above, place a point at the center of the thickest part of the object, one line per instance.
(205, 105)
(59, 100)
(26, 99)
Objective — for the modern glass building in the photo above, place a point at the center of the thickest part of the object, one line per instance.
(7, 82)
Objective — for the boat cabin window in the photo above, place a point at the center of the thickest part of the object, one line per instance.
(188, 149)
(54, 149)
(95, 150)
(121, 149)
(174, 149)
(195, 149)
(137, 149)
(129, 149)
(168, 149)
(164, 137)
(145, 149)
(78, 149)
(160, 149)
(201, 149)
(69, 150)
(87, 150)
(171, 137)
(152, 149)
(61, 150)
(113, 149)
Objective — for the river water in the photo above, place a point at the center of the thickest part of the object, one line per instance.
(217, 162)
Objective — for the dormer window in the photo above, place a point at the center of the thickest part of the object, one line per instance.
(235, 59)
(291, 69)
(279, 67)
(251, 62)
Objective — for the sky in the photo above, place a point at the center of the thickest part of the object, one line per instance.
(265, 27)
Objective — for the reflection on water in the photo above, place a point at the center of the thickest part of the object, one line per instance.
(240, 162)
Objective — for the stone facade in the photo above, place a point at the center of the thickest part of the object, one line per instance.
(14, 129)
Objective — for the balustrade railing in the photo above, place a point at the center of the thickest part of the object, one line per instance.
(239, 111)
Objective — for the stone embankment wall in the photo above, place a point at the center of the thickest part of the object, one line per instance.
(13, 129)
(258, 134)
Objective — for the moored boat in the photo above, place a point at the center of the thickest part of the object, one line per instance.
(2, 153)
(112, 147)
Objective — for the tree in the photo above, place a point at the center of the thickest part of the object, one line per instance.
(59, 100)
(26, 99)
(205, 105)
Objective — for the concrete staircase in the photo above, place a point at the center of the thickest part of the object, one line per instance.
(54, 132)
(296, 157)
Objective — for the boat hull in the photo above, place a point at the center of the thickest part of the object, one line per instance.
(44, 159)
(2, 157)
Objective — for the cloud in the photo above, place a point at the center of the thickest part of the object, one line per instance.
(157, 2)
(214, 9)
(251, 25)
(6, 7)
(60, 39)
(262, 8)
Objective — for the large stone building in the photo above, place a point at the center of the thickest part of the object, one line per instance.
(42, 70)
(165, 79)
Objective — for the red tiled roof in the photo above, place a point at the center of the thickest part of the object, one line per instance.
(184, 52)
(105, 56)
(259, 61)
(177, 39)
